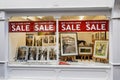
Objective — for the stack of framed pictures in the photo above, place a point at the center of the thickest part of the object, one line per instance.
(33, 53)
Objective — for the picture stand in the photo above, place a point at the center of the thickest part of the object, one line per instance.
(85, 56)
(100, 60)
(85, 52)
(68, 58)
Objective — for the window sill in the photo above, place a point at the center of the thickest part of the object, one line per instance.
(82, 64)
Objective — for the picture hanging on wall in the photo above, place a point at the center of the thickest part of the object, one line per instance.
(101, 49)
(38, 41)
(68, 43)
(45, 40)
(102, 36)
(29, 39)
(52, 40)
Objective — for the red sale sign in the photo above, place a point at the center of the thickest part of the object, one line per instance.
(85, 26)
(32, 26)
(45, 26)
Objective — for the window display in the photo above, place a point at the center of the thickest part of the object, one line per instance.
(32, 41)
(91, 39)
(77, 41)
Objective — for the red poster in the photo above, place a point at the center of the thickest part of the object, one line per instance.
(32, 26)
(83, 26)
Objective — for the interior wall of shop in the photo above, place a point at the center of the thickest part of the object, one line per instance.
(58, 8)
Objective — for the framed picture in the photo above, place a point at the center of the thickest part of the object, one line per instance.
(102, 36)
(42, 53)
(38, 40)
(45, 40)
(68, 43)
(101, 49)
(52, 53)
(85, 50)
(52, 40)
(22, 53)
(97, 36)
(32, 53)
(107, 35)
(29, 40)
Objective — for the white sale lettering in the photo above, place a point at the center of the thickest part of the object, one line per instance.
(44, 28)
(70, 27)
(20, 28)
(95, 27)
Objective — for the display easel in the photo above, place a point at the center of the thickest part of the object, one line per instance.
(102, 60)
(85, 52)
(84, 56)
(68, 58)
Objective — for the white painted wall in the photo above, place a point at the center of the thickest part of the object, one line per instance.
(2, 40)
(2, 71)
(19, 4)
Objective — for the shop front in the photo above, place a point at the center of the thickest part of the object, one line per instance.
(63, 44)
(71, 44)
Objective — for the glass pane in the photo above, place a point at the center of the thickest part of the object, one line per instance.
(32, 39)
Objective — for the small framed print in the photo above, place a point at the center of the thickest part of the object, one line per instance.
(45, 40)
(107, 35)
(85, 50)
(97, 36)
(52, 40)
(52, 53)
(32, 53)
(101, 49)
(38, 41)
(68, 43)
(29, 40)
(22, 53)
(102, 36)
(42, 53)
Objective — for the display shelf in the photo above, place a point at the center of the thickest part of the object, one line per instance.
(82, 64)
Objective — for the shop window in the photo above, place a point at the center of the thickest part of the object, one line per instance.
(84, 39)
(32, 39)
(79, 39)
